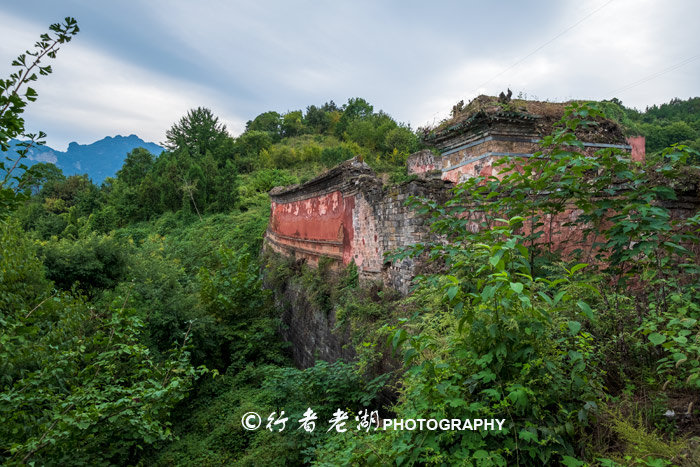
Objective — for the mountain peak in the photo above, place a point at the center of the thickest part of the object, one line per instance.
(99, 159)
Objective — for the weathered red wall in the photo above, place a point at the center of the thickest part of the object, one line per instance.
(638, 144)
(421, 162)
(481, 168)
(318, 218)
(348, 215)
(320, 225)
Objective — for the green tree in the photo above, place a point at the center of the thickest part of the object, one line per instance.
(93, 263)
(77, 385)
(356, 108)
(322, 119)
(14, 96)
(660, 137)
(137, 164)
(198, 132)
(292, 124)
(270, 122)
(248, 147)
(41, 174)
(526, 340)
(401, 139)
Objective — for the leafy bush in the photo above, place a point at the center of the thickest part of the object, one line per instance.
(92, 263)
(211, 428)
(333, 156)
(77, 386)
(523, 343)
(262, 181)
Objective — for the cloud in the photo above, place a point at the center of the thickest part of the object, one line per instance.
(617, 45)
(136, 68)
(90, 95)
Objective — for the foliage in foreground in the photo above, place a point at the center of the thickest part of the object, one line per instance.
(108, 294)
(541, 342)
(76, 375)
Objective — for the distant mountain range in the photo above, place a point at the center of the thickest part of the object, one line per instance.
(99, 160)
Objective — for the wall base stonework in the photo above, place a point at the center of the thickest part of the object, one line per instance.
(310, 330)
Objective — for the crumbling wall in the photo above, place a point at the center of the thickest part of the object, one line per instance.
(314, 220)
(478, 157)
(348, 215)
(402, 226)
(421, 162)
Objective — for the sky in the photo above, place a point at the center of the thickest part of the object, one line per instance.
(136, 67)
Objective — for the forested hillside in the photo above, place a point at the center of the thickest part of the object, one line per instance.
(135, 328)
(125, 305)
(676, 122)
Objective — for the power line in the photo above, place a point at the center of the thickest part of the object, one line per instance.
(518, 62)
(654, 75)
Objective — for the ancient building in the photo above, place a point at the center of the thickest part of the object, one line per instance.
(487, 130)
(347, 214)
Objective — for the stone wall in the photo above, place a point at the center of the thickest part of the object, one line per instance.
(311, 330)
(348, 215)
(421, 162)
(474, 152)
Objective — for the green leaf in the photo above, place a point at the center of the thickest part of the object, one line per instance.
(559, 296)
(452, 292)
(517, 287)
(676, 246)
(585, 308)
(410, 355)
(496, 258)
(399, 337)
(574, 327)
(569, 461)
(527, 435)
(519, 398)
(546, 298)
(656, 338)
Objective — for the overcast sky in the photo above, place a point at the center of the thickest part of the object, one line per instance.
(137, 67)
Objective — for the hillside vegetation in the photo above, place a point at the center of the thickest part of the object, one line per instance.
(135, 330)
(676, 122)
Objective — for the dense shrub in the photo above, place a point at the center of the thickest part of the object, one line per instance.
(92, 263)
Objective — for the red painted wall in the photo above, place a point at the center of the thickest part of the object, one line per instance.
(638, 144)
(321, 218)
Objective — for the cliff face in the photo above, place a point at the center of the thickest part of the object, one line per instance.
(309, 329)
